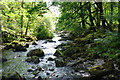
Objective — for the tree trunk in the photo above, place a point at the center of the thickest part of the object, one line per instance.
(99, 4)
(22, 20)
(82, 16)
(98, 19)
(27, 26)
(110, 27)
(90, 15)
(119, 18)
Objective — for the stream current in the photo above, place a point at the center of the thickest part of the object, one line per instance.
(16, 62)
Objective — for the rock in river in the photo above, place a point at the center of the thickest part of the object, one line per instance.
(50, 59)
(60, 63)
(13, 76)
(33, 59)
(34, 43)
(36, 52)
(102, 70)
(16, 46)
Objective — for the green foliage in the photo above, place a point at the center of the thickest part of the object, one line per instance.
(107, 47)
(25, 20)
(42, 32)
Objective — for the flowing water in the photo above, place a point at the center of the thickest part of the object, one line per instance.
(16, 62)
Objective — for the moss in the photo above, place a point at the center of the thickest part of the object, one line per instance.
(76, 55)
(72, 50)
(33, 59)
(102, 70)
(36, 52)
(58, 53)
(60, 63)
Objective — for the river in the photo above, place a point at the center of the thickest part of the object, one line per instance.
(16, 62)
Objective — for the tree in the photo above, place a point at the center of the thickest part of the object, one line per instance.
(119, 18)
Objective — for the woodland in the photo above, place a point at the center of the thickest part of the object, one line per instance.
(82, 43)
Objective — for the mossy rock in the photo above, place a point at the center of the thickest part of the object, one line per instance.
(78, 62)
(8, 46)
(34, 43)
(33, 59)
(26, 45)
(30, 38)
(19, 47)
(58, 53)
(76, 55)
(102, 70)
(16, 46)
(72, 50)
(83, 40)
(35, 52)
(50, 59)
(93, 55)
(118, 55)
(60, 63)
(13, 76)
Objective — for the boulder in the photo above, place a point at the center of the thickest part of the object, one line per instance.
(58, 53)
(16, 46)
(72, 50)
(35, 52)
(33, 59)
(102, 70)
(50, 40)
(94, 56)
(26, 45)
(60, 63)
(28, 38)
(34, 43)
(50, 59)
(4, 59)
(13, 76)
(19, 47)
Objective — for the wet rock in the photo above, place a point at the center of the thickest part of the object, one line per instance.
(8, 46)
(20, 47)
(16, 46)
(63, 39)
(26, 45)
(36, 52)
(94, 56)
(35, 73)
(22, 39)
(33, 59)
(50, 40)
(76, 55)
(72, 50)
(58, 53)
(34, 43)
(30, 70)
(102, 70)
(13, 76)
(118, 55)
(60, 63)
(77, 62)
(28, 38)
(50, 59)
(39, 68)
(51, 69)
(83, 40)
(39, 78)
(4, 59)
(47, 73)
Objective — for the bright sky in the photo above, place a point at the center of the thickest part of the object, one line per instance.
(53, 9)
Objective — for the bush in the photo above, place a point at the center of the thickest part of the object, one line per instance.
(42, 32)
